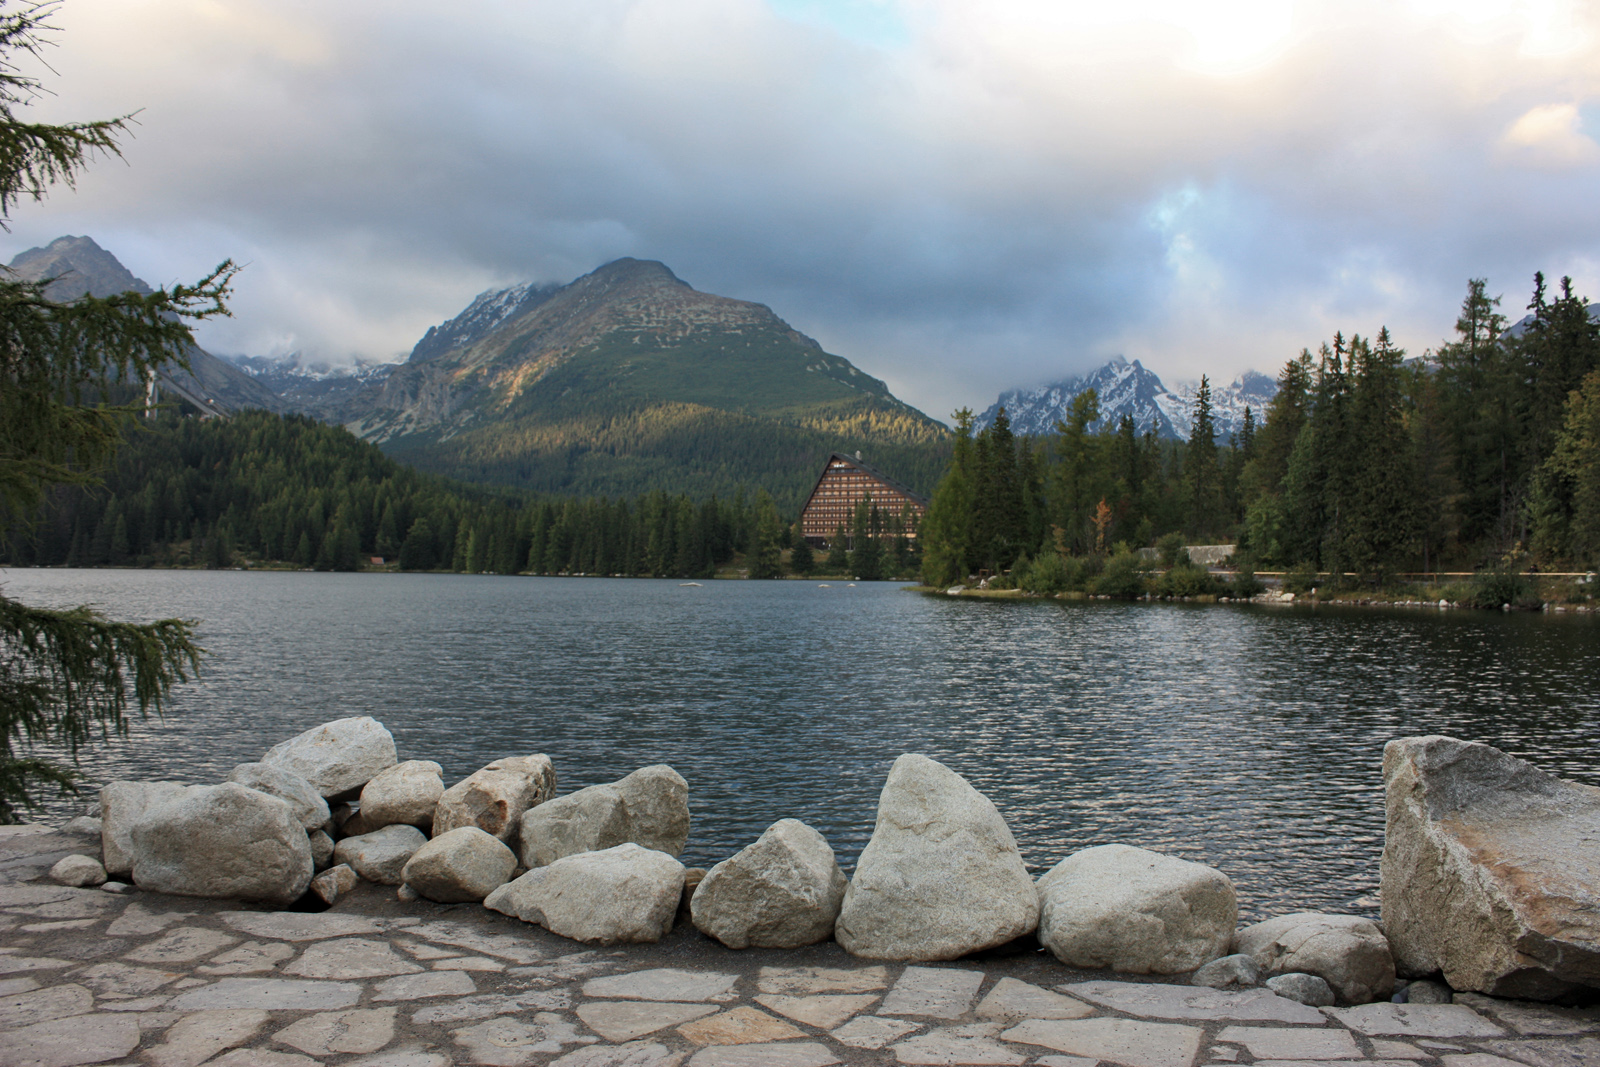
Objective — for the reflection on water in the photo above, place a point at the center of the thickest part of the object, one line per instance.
(1249, 738)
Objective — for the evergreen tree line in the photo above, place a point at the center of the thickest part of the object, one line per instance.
(263, 488)
(1485, 453)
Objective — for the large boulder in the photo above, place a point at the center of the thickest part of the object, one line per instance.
(337, 756)
(405, 793)
(459, 866)
(122, 804)
(649, 807)
(783, 891)
(306, 803)
(1346, 951)
(626, 893)
(494, 798)
(382, 855)
(1135, 911)
(941, 877)
(1491, 870)
(223, 841)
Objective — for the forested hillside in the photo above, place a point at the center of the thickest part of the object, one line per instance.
(263, 488)
(1485, 453)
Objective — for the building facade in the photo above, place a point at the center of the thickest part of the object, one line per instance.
(844, 482)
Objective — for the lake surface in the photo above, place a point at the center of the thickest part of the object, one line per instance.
(1246, 737)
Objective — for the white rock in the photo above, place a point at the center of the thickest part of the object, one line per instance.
(78, 871)
(783, 891)
(88, 825)
(1307, 989)
(222, 841)
(649, 807)
(1490, 871)
(337, 756)
(306, 803)
(321, 849)
(382, 855)
(941, 877)
(494, 798)
(121, 805)
(405, 793)
(626, 893)
(334, 882)
(460, 866)
(1346, 951)
(1230, 972)
(1135, 911)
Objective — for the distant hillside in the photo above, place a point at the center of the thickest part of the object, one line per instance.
(80, 266)
(1128, 388)
(629, 379)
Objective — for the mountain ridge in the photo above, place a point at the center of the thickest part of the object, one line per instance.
(1125, 388)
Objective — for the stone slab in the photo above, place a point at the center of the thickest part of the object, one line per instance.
(252, 957)
(624, 1020)
(331, 1032)
(1129, 1042)
(425, 985)
(492, 1004)
(517, 1042)
(972, 1044)
(122, 980)
(802, 981)
(350, 958)
(137, 920)
(1534, 1020)
(183, 945)
(1015, 1000)
(937, 992)
(270, 994)
(869, 1031)
(1278, 1043)
(1158, 1001)
(260, 1057)
(298, 926)
(460, 935)
(632, 1054)
(1416, 1020)
(661, 983)
(69, 1042)
(43, 1005)
(1543, 1052)
(824, 1011)
(196, 1038)
(743, 1025)
(468, 963)
(787, 1054)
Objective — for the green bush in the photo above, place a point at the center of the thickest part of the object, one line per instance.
(1245, 583)
(1494, 586)
(1302, 578)
(1123, 577)
(1171, 551)
(1187, 579)
(1050, 574)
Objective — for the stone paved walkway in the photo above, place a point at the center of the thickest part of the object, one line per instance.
(90, 976)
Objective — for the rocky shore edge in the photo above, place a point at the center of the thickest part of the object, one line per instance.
(1488, 879)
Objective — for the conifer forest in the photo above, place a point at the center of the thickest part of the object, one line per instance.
(1484, 454)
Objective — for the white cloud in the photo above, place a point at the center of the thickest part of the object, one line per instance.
(959, 196)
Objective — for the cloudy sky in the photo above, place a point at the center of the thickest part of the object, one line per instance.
(960, 196)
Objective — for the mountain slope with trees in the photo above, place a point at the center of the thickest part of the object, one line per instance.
(629, 380)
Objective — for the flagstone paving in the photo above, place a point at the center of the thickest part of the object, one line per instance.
(125, 977)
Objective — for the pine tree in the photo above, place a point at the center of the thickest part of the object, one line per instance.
(802, 561)
(1379, 522)
(65, 676)
(1201, 465)
(838, 561)
(947, 528)
(866, 550)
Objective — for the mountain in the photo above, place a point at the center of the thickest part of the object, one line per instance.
(629, 379)
(1127, 388)
(79, 266)
(1520, 327)
(324, 392)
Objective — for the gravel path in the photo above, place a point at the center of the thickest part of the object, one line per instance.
(91, 976)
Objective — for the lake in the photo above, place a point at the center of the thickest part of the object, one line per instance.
(1247, 737)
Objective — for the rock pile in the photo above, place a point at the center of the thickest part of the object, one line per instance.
(1490, 878)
